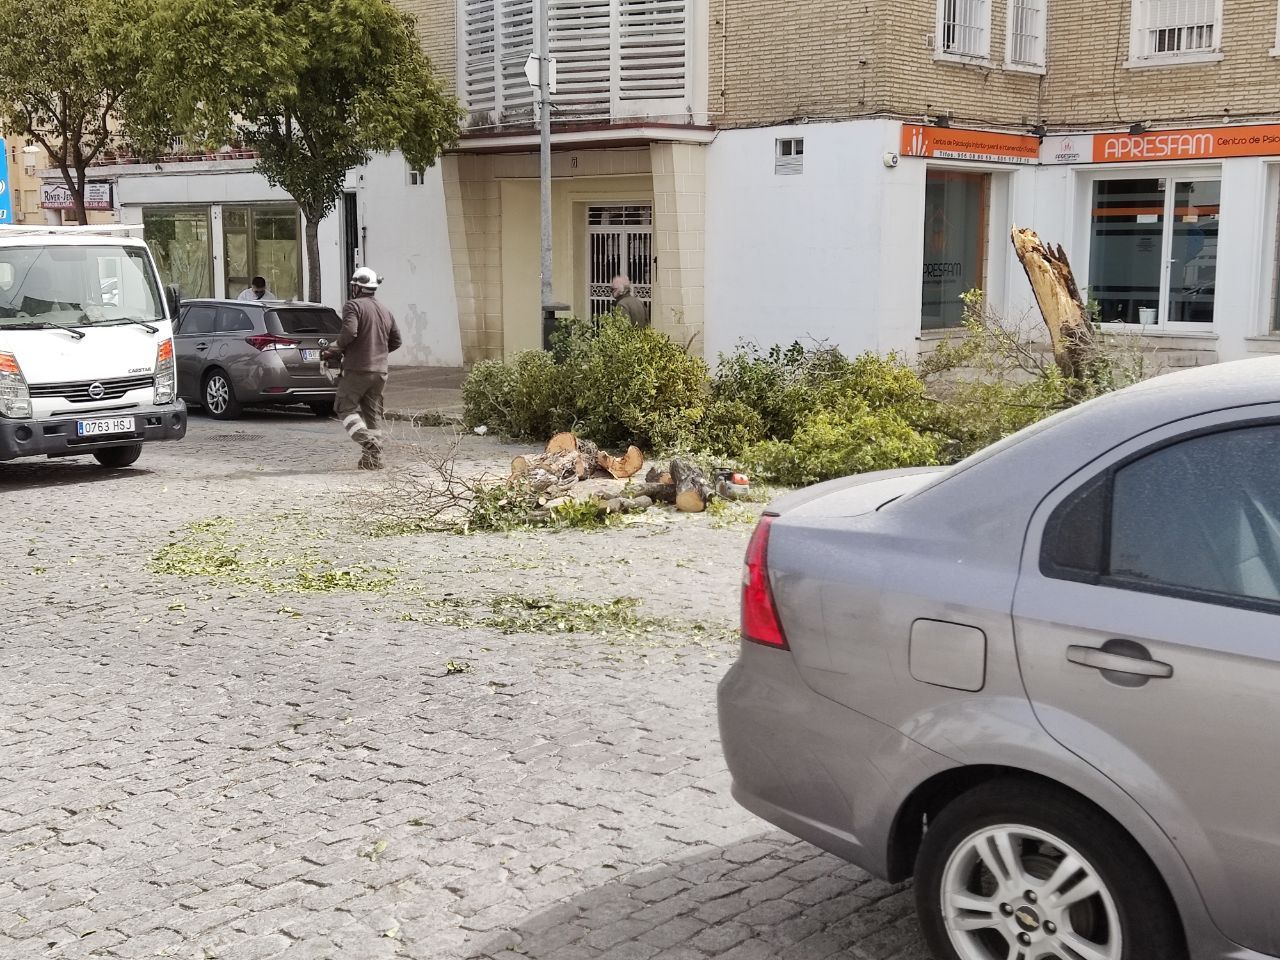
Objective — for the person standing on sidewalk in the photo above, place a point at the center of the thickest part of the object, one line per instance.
(369, 334)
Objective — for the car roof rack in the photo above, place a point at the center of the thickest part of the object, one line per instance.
(14, 230)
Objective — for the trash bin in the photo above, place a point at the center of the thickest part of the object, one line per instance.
(551, 321)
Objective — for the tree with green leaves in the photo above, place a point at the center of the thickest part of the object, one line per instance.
(315, 87)
(75, 76)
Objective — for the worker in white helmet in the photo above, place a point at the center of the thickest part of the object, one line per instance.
(369, 334)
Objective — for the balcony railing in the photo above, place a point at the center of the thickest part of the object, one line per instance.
(615, 59)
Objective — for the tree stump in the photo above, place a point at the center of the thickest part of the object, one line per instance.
(693, 492)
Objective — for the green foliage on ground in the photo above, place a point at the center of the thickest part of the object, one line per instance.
(608, 380)
(791, 415)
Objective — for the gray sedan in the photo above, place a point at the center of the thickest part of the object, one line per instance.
(236, 352)
(1044, 682)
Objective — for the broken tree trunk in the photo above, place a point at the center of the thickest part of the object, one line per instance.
(658, 475)
(1061, 305)
(693, 492)
(562, 443)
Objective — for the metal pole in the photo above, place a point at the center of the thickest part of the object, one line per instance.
(544, 96)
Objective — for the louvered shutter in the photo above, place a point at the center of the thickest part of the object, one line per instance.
(582, 44)
(517, 41)
(479, 91)
(653, 52)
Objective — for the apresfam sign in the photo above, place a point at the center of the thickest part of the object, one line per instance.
(1204, 143)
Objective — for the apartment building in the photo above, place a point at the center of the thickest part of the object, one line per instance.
(871, 158)
(631, 130)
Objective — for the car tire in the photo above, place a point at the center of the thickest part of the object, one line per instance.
(969, 914)
(322, 409)
(219, 396)
(117, 458)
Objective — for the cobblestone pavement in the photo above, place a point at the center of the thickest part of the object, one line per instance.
(195, 767)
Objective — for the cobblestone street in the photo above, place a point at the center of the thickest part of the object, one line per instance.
(225, 766)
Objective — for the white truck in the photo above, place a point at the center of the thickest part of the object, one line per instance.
(86, 346)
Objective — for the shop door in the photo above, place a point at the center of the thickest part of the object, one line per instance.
(620, 243)
(1153, 254)
(262, 241)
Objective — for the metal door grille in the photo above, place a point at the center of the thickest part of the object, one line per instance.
(620, 241)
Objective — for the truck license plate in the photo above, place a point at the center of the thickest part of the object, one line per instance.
(310, 356)
(99, 428)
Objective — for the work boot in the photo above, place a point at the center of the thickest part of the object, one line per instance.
(370, 463)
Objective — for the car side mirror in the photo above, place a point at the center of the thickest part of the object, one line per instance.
(173, 295)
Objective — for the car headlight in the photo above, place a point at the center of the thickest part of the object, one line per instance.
(166, 375)
(15, 398)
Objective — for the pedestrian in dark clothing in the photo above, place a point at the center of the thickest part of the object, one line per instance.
(369, 334)
(631, 306)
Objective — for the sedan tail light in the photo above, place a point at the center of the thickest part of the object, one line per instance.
(760, 623)
(269, 341)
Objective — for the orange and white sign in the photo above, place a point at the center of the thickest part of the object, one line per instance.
(1205, 143)
(946, 143)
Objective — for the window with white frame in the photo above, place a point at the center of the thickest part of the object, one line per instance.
(964, 28)
(1174, 29)
(1027, 34)
(788, 156)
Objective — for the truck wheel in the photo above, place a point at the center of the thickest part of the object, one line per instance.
(116, 458)
(1017, 869)
(219, 397)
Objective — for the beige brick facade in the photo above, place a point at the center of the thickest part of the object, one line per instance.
(437, 28)
(812, 59)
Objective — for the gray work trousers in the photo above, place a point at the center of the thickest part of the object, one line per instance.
(358, 405)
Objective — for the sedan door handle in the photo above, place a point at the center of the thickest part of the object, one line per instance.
(202, 346)
(1117, 663)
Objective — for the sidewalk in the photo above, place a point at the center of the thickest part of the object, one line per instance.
(425, 391)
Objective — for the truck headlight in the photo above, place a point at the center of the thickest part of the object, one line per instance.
(166, 375)
(15, 398)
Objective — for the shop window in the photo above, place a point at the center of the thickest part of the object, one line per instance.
(1175, 29)
(179, 239)
(1153, 251)
(956, 215)
(1026, 34)
(964, 29)
(788, 156)
(262, 241)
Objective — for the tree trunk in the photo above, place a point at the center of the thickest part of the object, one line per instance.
(312, 228)
(75, 181)
(1061, 305)
(693, 493)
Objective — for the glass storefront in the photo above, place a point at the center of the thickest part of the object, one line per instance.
(180, 241)
(955, 244)
(262, 241)
(257, 240)
(1153, 251)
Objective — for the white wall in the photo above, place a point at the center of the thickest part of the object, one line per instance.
(407, 241)
(406, 230)
(835, 253)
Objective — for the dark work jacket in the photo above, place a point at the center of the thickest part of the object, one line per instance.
(369, 334)
(633, 309)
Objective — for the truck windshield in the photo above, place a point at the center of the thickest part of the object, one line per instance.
(77, 285)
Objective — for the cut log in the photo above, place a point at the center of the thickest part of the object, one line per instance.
(655, 492)
(693, 492)
(658, 475)
(1061, 305)
(562, 443)
(519, 467)
(588, 459)
(624, 467)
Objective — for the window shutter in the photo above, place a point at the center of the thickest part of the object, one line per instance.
(653, 56)
(478, 39)
(1177, 26)
(517, 42)
(582, 44)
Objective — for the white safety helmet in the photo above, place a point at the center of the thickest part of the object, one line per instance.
(365, 279)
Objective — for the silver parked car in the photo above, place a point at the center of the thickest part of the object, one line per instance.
(231, 353)
(1044, 682)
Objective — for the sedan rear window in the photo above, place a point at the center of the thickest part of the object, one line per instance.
(309, 321)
